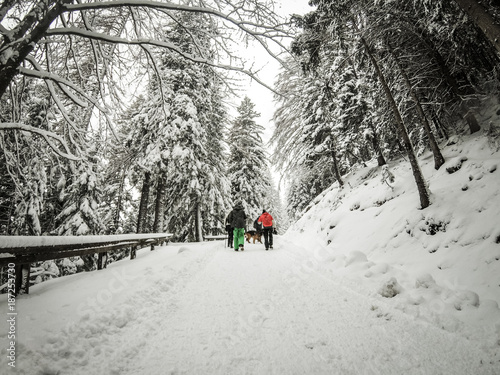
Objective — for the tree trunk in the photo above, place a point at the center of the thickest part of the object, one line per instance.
(22, 278)
(160, 195)
(143, 207)
(336, 170)
(36, 22)
(198, 224)
(483, 20)
(438, 157)
(119, 203)
(376, 147)
(417, 173)
(440, 128)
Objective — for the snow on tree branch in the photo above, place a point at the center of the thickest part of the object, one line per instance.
(142, 42)
(46, 136)
(275, 31)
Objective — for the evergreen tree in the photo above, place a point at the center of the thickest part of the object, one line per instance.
(25, 158)
(248, 163)
(81, 198)
(197, 189)
(178, 137)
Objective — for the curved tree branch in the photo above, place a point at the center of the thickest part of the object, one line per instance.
(47, 136)
(157, 43)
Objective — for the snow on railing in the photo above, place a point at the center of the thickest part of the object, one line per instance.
(21, 251)
(215, 237)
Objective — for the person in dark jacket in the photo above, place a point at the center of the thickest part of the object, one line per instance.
(267, 222)
(237, 219)
(229, 230)
(257, 226)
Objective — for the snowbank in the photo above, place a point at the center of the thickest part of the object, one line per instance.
(441, 264)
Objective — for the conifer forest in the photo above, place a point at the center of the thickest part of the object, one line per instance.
(120, 116)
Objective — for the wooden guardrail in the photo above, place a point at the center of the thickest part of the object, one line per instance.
(21, 251)
(215, 237)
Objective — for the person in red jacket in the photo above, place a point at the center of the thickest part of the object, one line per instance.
(267, 222)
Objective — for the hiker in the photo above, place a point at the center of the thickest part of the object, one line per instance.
(229, 230)
(237, 219)
(257, 226)
(267, 222)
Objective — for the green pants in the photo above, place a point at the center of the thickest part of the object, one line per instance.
(239, 237)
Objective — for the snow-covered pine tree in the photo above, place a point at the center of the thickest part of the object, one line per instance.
(299, 192)
(147, 147)
(218, 188)
(249, 174)
(80, 195)
(351, 112)
(304, 134)
(25, 158)
(197, 188)
(117, 169)
(179, 136)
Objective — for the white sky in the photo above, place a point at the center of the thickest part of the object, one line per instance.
(260, 96)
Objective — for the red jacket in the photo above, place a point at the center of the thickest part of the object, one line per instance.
(266, 219)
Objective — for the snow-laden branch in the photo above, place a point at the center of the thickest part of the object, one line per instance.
(242, 24)
(47, 136)
(118, 40)
(58, 79)
(258, 30)
(61, 82)
(146, 41)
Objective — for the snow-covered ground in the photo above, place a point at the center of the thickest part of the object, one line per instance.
(364, 283)
(442, 264)
(205, 309)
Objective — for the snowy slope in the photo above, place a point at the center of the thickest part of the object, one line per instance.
(205, 309)
(442, 263)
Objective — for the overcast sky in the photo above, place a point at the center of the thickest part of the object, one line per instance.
(260, 96)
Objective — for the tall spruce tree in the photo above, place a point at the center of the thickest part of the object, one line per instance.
(248, 162)
(197, 189)
(178, 137)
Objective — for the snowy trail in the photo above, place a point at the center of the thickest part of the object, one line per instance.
(252, 312)
(247, 314)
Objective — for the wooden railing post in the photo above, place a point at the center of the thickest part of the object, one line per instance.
(102, 260)
(22, 278)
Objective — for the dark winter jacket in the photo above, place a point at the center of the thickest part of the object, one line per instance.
(237, 217)
(229, 228)
(257, 225)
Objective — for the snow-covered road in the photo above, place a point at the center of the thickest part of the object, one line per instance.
(204, 309)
